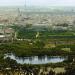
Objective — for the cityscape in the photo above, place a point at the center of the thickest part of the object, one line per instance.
(37, 38)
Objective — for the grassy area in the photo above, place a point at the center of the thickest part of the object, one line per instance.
(28, 33)
(37, 48)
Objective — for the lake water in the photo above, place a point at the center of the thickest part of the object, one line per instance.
(36, 59)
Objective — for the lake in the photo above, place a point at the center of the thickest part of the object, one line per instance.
(36, 59)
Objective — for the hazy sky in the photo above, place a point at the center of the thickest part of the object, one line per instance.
(38, 2)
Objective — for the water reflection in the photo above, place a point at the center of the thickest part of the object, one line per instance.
(36, 59)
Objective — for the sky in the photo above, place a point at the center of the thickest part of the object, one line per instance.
(37, 2)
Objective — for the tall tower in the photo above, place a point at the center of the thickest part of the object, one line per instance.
(25, 4)
(19, 12)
